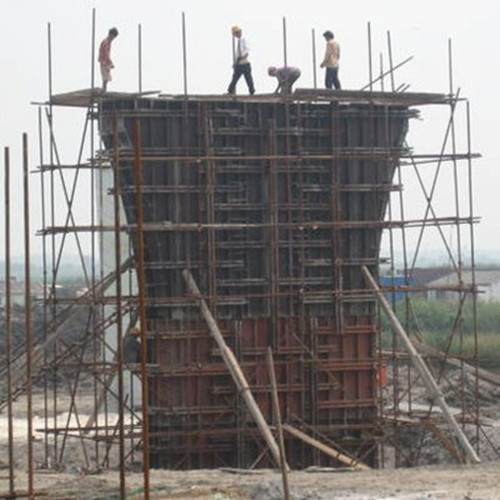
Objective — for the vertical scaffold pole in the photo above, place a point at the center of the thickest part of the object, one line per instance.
(315, 71)
(28, 322)
(119, 318)
(142, 304)
(8, 322)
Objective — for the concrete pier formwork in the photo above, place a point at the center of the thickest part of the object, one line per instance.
(273, 204)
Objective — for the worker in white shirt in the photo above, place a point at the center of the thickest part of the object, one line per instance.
(331, 61)
(286, 76)
(241, 65)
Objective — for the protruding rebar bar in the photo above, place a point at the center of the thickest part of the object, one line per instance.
(391, 62)
(314, 61)
(285, 48)
(184, 54)
(370, 64)
(139, 56)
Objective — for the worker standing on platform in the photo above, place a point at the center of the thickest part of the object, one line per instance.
(331, 61)
(105, 57)
(286, 76)
(241, 65)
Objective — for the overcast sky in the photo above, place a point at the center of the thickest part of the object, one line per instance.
(418, 29)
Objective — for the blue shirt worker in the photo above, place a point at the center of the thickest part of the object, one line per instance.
(241, 65)
(286, 76)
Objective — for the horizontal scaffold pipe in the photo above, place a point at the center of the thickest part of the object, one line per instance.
(348, 224)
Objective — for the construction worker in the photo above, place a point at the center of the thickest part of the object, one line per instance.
(331, 61)
(241, 65)
(105, 58)
(286, 76)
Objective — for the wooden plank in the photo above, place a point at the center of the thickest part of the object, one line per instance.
(327, 450)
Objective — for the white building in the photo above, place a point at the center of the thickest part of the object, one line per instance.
(487, 283)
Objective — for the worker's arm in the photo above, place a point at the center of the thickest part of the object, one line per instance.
(328, 54)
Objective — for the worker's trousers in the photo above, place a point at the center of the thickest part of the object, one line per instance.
(246, 71)
(332, 78)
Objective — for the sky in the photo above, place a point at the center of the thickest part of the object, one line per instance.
(420, 30)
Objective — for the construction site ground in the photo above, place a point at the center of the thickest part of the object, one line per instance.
(472, 482)
(444, 480)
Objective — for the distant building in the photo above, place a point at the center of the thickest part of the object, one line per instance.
(17, 292)
(487, 283)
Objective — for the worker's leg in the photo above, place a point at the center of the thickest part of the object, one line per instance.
(328, 78)
(247, 72)
(335, 79)
(105, 74)
(286, 87)
(292, 80)
(237, 72)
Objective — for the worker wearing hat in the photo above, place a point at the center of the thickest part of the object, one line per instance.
(331, 61)
(241, 65)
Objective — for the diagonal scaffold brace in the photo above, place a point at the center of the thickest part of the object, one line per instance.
(422, 368)
(234, 368)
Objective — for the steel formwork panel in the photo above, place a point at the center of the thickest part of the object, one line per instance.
(274, 258)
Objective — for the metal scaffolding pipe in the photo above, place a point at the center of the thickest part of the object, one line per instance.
(427, 378)
(233, 368)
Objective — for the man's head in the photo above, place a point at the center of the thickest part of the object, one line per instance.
(271, 71)
(113, 33)
(328, 35)
(236, 31)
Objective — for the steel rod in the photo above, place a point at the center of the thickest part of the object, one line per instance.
(384, 74)
(141, 278)
(285, 48)
(391, 62)
(28, 318)
(184, 54)
(277, 418)
(139, 50)
(119, 319)
(370, 64)
(8, 320)
(314, 60)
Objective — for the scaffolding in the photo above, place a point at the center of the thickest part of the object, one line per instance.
(271, 207)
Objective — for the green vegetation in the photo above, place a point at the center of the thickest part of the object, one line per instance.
(436, 321)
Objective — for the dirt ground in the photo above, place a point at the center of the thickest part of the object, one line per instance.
(435, 482)
(444, 481)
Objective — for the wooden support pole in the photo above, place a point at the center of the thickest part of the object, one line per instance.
(234, 368)
(277, 418)
(327, 450)
(422, 368)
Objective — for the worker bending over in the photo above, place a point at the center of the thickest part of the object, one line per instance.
(286, 76)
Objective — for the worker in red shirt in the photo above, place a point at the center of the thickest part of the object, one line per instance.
(105, 57)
